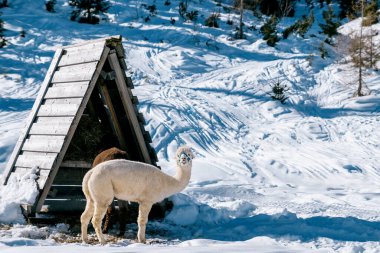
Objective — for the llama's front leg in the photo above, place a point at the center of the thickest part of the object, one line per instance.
(144, 209)
(100, 211)
(85, 219)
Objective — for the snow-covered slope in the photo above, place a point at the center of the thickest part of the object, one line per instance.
(305, 173)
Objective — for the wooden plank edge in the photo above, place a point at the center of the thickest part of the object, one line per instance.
(32, 115)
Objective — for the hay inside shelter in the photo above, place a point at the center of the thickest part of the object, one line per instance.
(87, 140)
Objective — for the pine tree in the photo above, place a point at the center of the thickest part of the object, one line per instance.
(269, 31)
(279, 8)
(330, 27)
(86, 10)
(4, 3)
(278, 91)
(346, 8)
(300, 27)
(212, 20)
(49, 5)
(3, 41)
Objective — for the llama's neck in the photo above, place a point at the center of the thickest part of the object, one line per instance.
(181, 180)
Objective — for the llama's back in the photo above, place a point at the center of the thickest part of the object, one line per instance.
(130, 180)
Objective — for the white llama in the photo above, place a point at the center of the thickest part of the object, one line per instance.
(131, 181)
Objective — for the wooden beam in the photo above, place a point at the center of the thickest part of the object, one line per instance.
(53, 110)
(63, 101)
(69, 91)
(70, 176)
(73, 127)
(112, 114)
(51, 126)
(83, 54)
(64, 205)
(39, 159)
(128, 106)
(44, 143)
(75, 73)
(76, 164)
(101, 40)
(32, 115)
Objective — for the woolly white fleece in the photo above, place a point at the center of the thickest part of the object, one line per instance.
(131, 181)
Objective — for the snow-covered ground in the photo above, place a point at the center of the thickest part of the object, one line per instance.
(268, 177)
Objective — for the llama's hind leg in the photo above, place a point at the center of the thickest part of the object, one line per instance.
(99, 212)
(85, 219)
(144, 209)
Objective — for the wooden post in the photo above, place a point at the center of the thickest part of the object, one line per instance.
(112, 114)
(128, 106)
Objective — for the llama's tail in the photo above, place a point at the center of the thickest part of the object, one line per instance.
(85, 189)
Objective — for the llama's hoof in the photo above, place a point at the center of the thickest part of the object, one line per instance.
(141, 241)
(121, 234)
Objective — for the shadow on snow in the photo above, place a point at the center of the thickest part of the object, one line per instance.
(15, 104)
(289, 225)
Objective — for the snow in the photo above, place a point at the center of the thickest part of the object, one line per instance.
(268, 177)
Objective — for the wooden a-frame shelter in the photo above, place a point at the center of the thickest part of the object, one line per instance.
(85, 81)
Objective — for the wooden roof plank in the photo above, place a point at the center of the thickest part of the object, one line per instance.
(42, 161)
(75, 73)
(78, 55)
(44, 143)
(63, 101)
(58, 110)
(70, 83)
(100, 40)
(39, 129)
(32, 115)
(70, 91)
(51, 125)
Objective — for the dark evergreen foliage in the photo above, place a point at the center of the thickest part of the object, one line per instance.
(192, 15)
(167, 3)
(3, 41)
(50, 4)
(278, 92)
(346, 8)
(212, 20)
(86, 11)
(152, 9)
(300, 27)
(182, 9)
(279, 8)
(269, 31)
(184, 14)
(330, 27)
(4, 3)
(22, 33)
